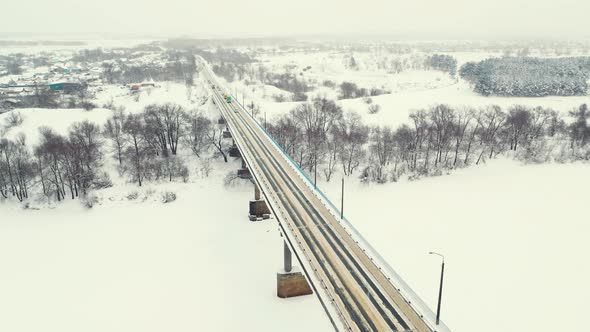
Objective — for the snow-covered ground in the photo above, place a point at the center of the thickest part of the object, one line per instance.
(514, 236)
(196, 264)
(410, 90)
(396, 107)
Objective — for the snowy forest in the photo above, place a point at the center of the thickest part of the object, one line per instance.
(528, 77)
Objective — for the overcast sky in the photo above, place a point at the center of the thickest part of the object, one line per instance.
(422, 18)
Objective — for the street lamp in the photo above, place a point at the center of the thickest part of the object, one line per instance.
(442, 273)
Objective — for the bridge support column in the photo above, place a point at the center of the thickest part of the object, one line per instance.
(258, 209)
(244, 172)
(288, 264)
(291, 283)
(234, 151)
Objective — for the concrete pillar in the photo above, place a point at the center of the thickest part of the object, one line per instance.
(291, 283)
(288, 265)
(258, 208)
(256, 192)
(244, 172)
(234, 151)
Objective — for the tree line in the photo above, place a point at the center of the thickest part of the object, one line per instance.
(145, 147)
(177, 66)
(442, 62)
(321, 138)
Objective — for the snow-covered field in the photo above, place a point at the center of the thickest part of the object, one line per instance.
(196, 264)
(410, 90)
(514, 236)
(396, 107)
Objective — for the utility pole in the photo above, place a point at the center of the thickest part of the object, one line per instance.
(342, 201)
(264, 120)
(315, 172)
(442, 274)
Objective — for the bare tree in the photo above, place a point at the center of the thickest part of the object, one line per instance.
(164, 126)
(215, 137)
(134, 129)
(462, 121)
(382, 149)
(196, 137)
(518, 121)
(16, 169)
(442, 118)
(491, 121)
(113, 130)
(353, 135)
(316, 120)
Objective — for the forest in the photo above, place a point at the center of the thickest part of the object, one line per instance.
(528, 77)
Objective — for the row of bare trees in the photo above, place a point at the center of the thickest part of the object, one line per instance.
(61, 165)
(442, 137)
(319, 134)
(145, 146)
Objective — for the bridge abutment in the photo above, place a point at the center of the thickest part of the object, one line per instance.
(290, 282)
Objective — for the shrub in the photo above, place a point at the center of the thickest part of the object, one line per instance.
(132, 195)
(279, 98)
(168, 197)
(88, 106)
(89, 200)
(374, 108)
(14, 119)
(102, 181)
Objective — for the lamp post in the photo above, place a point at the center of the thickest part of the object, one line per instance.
(342, 201)
(442, 273)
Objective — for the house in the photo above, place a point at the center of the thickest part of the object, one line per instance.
(67, 87)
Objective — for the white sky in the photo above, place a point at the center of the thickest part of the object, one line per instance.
(426, 18)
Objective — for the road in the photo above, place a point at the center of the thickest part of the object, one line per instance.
(356, 293)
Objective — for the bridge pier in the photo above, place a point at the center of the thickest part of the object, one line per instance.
(291, 283)
(258, 209)
(244, 172)
(234, 151)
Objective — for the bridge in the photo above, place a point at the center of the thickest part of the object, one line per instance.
(358, 290)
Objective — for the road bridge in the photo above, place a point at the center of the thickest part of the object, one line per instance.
(357, 288)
